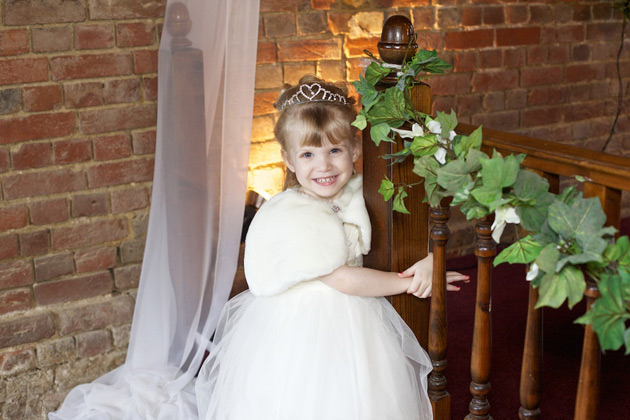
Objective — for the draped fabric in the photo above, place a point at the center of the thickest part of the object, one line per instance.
(205, 103)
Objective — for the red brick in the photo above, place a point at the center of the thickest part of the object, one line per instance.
(150, 87)
(490, 59)
(49, 211)
(538, 76)
(604, 31)
(471, 15)
(45, 11)
(558, 54)
(93, 343)
(504, 120)
(468, 105)
(4, 160)
(42, 98)
(10, 101)
(136, 34)
(34, 243)
(51, 266)
(494, 80)
(93, 204)
(583, 72)
(23, 70)
(86, 66)
(52, 39)
(127, 277)
(540, 116)
(514, 58)
(32, 155)
(145, 61)
(42, 183)
(111, 147)
(448, 17)
(8, 249)
(83, 94)
(263, 102)
(126, 9)
(469, 39)
(537, 54)
(338, 22)
(307, 50)
(88, 37)
(72, 151)
(89, 233)
(14, 362)
(116, 119)
(516, 14)
(321, 4)
(16, 274)
(354, 47)
(312, 23)
(516, 99)
(60, 291)
(266, 53)
(541, 14)
(334, 71)
(449, 84)
(424, 18)
(26, 330)
(493, 15)
(578, 112)
(559, 34)
(117, 311)
(278, 5)
(602, 11)
(116, 173)
(128, 200)
(401, 3)
(548, 95)
(13, 217)
(143, 142)
(517, 36)
(13, 42)
(38, 126)
(15, 300)
(88, 260)
(121, 91)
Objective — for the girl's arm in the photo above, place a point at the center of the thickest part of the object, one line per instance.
(361, 281)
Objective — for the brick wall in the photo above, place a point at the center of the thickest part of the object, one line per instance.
(77, 132)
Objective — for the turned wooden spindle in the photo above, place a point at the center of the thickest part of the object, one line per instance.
(480, 362)
(440, 233)
(531, 366)
(178, 24)
(398, 240)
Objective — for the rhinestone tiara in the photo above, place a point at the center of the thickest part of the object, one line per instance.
(312, 92)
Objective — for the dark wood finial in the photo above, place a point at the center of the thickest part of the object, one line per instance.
(397, 40)
(178, 24)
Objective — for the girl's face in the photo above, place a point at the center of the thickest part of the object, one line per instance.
(322, 171)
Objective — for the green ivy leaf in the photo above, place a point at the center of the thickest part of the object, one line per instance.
(399, 201)
(374, 73)
(548, 258)
(463, 144)
(473, 209)
(453, 176)
(392, 109)
(398, 156)
(426, 167)
(554, 289)
(584, 216)
(380, 133)
(424, 146)
(523, 251)
(386, 189)
(368, 92)
(360, 122)
(608, 315)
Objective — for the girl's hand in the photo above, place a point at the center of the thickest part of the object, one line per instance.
(422, 273)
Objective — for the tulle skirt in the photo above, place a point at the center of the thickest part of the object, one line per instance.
(313, 353)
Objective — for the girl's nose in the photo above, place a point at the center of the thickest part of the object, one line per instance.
(324, 163)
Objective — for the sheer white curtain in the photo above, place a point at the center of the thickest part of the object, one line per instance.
(206, 90)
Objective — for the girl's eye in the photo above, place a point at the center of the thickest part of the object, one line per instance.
(307, 154)
(335, 150)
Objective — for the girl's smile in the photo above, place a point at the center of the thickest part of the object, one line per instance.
(322, 171)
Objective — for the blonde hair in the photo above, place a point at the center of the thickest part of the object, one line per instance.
(314, 123)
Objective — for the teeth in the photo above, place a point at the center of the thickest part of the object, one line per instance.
(325, 180)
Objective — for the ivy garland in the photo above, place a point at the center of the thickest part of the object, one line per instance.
(567, 240)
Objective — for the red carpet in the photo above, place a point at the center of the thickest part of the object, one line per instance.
(562, 351)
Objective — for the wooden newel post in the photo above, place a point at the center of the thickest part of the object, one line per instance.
(440, 233)
(480, 361)
(398, 240)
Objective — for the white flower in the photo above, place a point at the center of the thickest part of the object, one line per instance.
(503, 215)
(440, 155)
(434, 127)
(416, 131)
(532, 273)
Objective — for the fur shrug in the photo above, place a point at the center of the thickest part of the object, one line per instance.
(295, 237)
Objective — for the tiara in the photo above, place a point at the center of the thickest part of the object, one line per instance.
(312, 92)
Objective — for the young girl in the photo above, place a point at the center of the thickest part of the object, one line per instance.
(313, 338)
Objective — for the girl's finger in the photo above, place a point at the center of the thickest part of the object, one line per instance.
(452, 288)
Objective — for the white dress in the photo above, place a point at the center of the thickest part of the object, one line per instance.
(293, 348)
